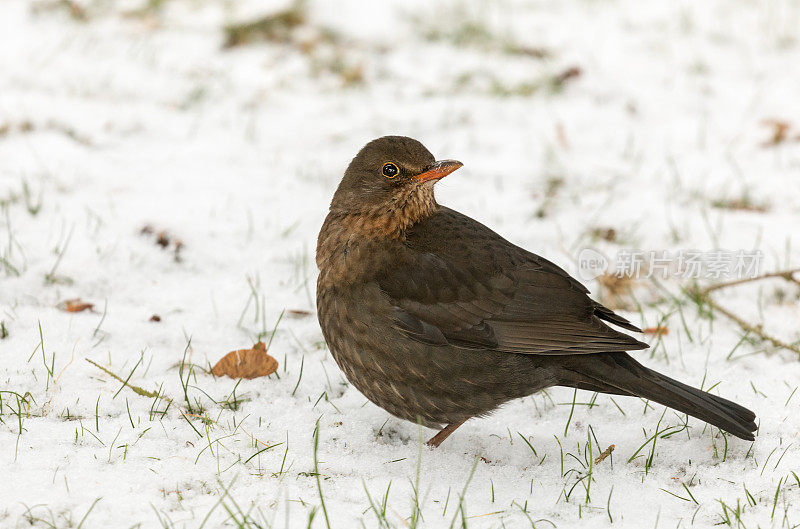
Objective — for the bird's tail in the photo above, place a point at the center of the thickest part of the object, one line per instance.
(620, 374)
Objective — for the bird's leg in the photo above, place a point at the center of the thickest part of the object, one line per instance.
(439, 438)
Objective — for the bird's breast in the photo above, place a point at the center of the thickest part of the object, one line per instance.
(357, 325)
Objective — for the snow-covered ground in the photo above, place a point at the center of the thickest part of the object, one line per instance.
(571, 117)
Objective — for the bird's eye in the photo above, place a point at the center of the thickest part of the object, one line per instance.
(390, 170)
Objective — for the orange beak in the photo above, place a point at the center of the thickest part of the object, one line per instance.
(438, 170)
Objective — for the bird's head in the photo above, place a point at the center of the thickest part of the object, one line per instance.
(391, 177)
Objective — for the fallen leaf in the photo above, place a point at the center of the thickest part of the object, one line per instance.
(276, 27)
(658, 331)
(246, 363)
(75, 305)
(606, 234)
(568, 74)
(615, 290)
(779, 131)
(299, 313)
(605, 454)
(162, 239)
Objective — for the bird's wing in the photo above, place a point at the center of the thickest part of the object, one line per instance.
(456, 282)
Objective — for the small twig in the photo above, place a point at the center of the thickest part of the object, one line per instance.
(755, 329)
(785, 274)
(136, 389)
(604, 454)
(703, 296)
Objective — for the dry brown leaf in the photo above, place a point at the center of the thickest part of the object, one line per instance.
(604, 233)
(75, 305)
(605, 454)
(658, 331)
(779, 131)
(246, 363)
(615, 291)
(299, 313)
(568, 74)
(162, 239)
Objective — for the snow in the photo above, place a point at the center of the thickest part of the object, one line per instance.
(122, 121)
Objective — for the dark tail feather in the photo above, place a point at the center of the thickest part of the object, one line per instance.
(618, 373)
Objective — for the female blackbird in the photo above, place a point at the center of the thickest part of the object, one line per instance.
(436, 318)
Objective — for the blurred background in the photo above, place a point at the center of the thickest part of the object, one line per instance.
(175, 159)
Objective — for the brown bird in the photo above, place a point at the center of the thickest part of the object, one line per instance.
(436, 318)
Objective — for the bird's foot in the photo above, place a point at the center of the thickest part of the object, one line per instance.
(439, 438)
